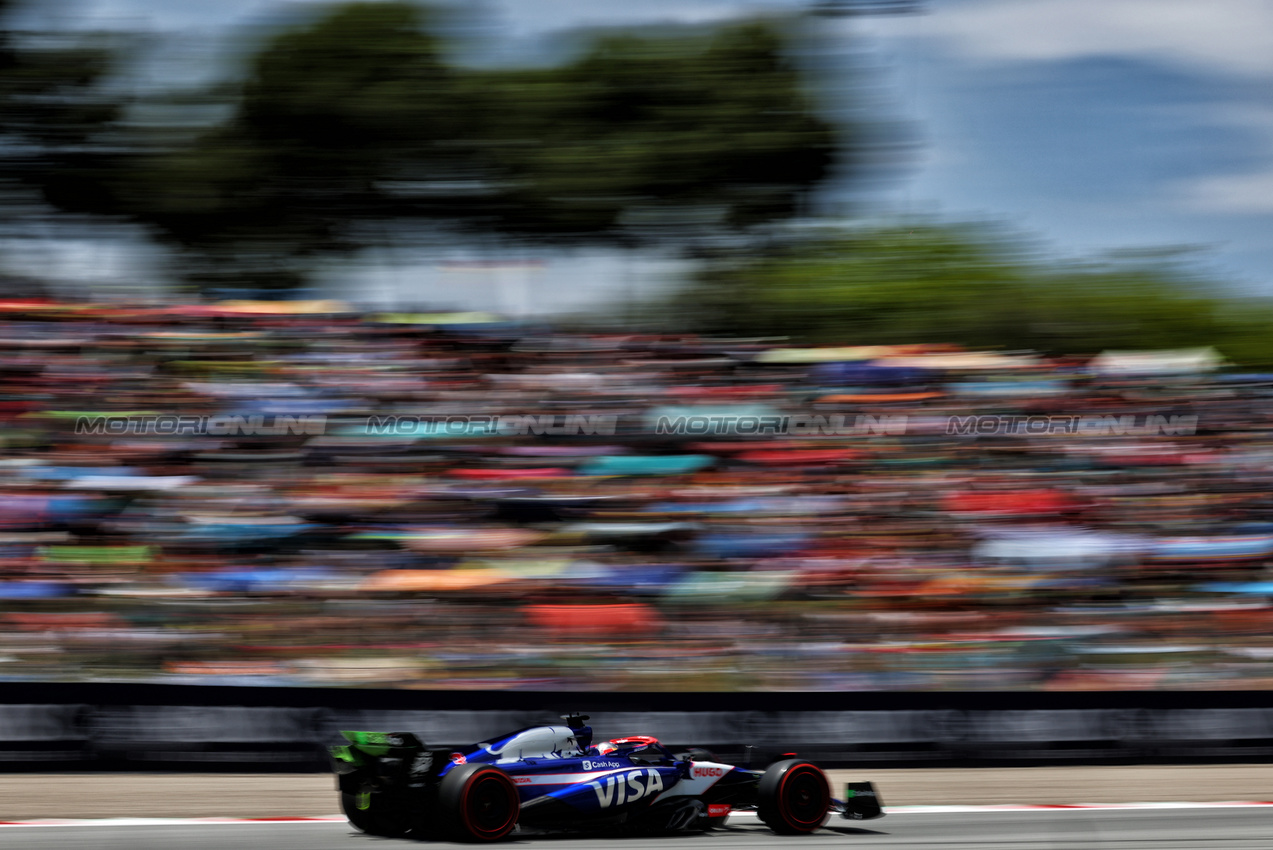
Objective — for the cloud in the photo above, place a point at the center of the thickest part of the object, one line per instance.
(172, 15)
(1231, 194)
(1234, 193)
(522, 17)
(1229, 36)
(545, 15)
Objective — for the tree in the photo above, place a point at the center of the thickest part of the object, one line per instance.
(352, 125)
(694, 132)
(333, 118)
(965, 285)
(56, 117)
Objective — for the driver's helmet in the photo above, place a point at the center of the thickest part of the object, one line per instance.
(638, 741)
(631, 742)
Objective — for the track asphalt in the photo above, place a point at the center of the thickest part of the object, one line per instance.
(176, 795)
(1212, 828)
(1173, 808)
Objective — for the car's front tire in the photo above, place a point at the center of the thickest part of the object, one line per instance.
(794, 797)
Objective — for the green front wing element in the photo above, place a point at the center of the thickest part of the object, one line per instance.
(862, 802)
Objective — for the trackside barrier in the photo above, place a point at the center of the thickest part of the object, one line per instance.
(157, 727)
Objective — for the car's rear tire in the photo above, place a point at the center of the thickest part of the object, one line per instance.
(372, 814)
(794, 797)
(479, 802)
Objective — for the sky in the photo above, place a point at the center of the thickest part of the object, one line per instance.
(1094, 125)
(1098, 124)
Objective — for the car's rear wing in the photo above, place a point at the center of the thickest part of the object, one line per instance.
(392, 757)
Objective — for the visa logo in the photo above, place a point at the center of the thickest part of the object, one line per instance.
(627, 788)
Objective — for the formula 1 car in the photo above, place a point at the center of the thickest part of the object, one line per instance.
(552, 778)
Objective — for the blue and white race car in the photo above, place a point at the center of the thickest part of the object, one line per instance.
(553, 778)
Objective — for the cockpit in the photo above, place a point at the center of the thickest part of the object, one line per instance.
(641, 749)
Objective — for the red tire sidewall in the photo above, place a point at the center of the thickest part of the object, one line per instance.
(490, 774)
(802, 769)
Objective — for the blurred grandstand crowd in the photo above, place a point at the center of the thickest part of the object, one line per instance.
(906, 554)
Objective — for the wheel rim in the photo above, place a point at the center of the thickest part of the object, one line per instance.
(490, 805)
(804, 797)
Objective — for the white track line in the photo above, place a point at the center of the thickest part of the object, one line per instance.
(891, 810)
(171, 821)
(1071, 807)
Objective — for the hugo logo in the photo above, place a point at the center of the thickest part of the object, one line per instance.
(628, 787)
(701, 772)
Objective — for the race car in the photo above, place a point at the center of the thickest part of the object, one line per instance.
(553, 778)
